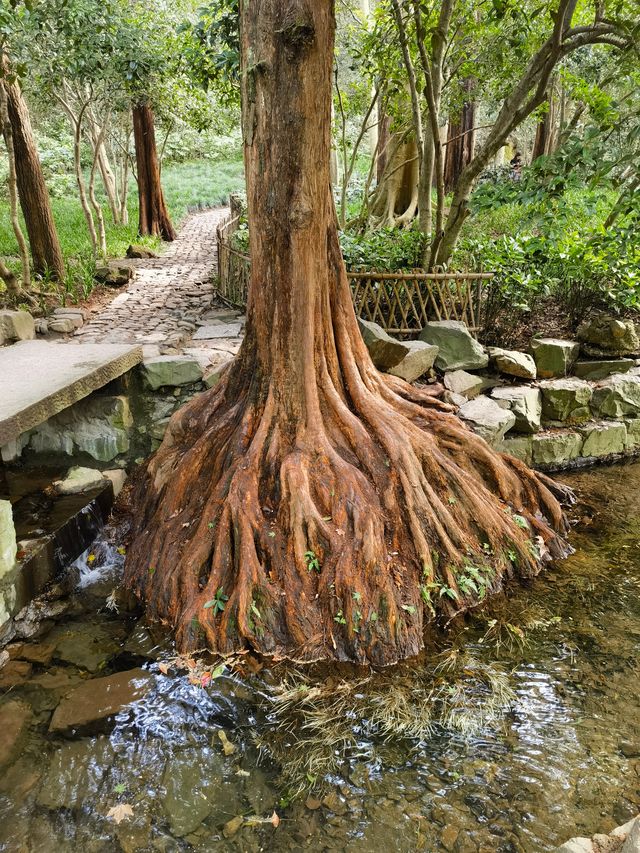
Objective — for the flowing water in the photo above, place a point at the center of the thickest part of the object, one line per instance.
(545, 747)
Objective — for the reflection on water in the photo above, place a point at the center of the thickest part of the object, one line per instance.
(562, 758)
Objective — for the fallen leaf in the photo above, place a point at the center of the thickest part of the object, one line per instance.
(231, 827)
(227, 747)
(275, 820)
(121, 812)
(164, 668)
(205, 679)
(91, 558)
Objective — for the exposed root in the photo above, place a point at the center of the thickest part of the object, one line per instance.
(341, 540)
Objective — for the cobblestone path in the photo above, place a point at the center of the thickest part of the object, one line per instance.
(171, 298)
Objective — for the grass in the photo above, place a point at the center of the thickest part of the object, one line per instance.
(186, 186)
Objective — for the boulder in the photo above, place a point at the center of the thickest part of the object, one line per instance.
(418, 361)
(600, 369)
(61, 325)
(605, 439)
(113, 276)
(386, 352)
(520, 446)
(99, 698)
(555, 449)
(458, 350)
(135, 250)
(617, 396)
(554, 357)
(171, 370)
(79, 480)
(8, 544)
(462, 383)
(526, 404)
(633, 434)
(487, 418)
(513, 363)
(14, 722)
(16, 326)
(566, 400)
(606, 334)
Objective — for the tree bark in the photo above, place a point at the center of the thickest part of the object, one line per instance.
(154, 219)
(32, 189)
(13, 288)
(308, 505)
(460, 144)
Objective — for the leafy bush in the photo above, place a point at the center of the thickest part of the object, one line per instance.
(386, 249)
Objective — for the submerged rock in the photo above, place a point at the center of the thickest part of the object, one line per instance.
(458, 350)
(14, 721)
(76, 773)
(100, 698)
(84, 644)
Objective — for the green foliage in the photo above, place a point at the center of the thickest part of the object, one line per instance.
(387, 249)
(218, 602)
(312, 561)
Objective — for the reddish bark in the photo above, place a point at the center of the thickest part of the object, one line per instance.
(32, 189)
(460, 144)
(153, 218)
(306, 505)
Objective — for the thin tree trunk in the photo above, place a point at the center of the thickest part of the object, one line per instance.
(97, 208)
(97, 136)
(12, 185)
(32, 189)
(154, 219)
(309, 506)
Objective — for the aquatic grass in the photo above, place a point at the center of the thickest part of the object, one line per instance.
(316, 727)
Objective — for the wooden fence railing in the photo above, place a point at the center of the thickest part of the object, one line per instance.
(399, 302)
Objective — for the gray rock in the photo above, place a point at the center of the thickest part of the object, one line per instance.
(418, 361)
(462, 383)
(171, 370)
(386, 352)
(458, 350)
(600, 369)
(554, 357)
(8, 545)
(607, 334)
(79, 480)
(566, 400)
(605, 439)
(513, 363)
(453, 399)
(617, 396)
(632, 844)
(212, 378)
(99, 426)
(99, 698)
(61, 325)
(525, 403)
(487, 418)
(555, 449)
(633, 434)
(577, 845)
(16, 326)
(135, 250)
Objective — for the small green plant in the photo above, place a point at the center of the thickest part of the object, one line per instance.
(339, 618)
(521, 521)
(313, 564)
(218, 602)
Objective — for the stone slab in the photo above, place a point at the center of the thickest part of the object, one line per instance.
(38, 379)
(218, 330)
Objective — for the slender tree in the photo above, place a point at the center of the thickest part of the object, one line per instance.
(154, 216)
(309, 505)
(32, 189)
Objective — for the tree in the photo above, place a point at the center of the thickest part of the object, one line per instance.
(309, 505)
(153, 217)
(32, 189)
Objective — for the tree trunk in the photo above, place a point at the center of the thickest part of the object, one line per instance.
(308, 505)
(460, 145)
(13, 288)
(546, 136)
(154, 219)
(32, 189)
(96, 137)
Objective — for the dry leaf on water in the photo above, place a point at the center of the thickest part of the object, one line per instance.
(121, 812)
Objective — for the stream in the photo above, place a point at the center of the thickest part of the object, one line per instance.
(520, 730)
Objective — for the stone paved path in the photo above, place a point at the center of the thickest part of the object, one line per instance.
(171, 299)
